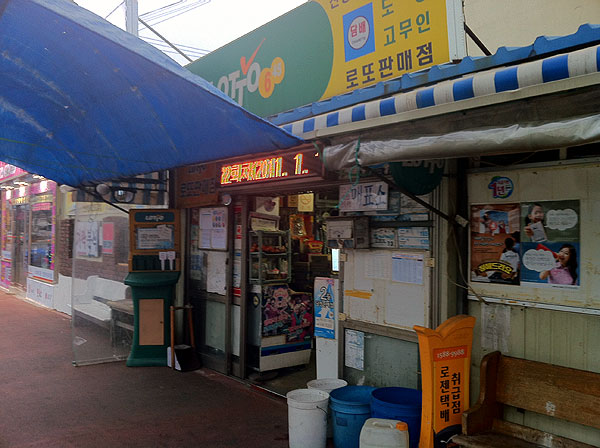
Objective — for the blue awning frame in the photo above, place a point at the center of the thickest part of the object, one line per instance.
(505, 79)
(544, 46)
(82, 101)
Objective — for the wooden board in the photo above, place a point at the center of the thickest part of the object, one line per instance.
(560, 392)
(151, 325)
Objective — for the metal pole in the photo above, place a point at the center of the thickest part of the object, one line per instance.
(131, 17)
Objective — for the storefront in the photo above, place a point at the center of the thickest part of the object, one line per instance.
(515, 131)
(257, 242)
(28, 235)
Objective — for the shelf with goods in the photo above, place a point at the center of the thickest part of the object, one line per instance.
(270, 257)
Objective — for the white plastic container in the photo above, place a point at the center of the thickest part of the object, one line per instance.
(307, 418)
(327, 385)
(383, 433)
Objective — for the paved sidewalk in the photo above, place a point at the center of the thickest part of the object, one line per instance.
(46, 402)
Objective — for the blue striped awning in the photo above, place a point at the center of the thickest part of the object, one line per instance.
(542, 71)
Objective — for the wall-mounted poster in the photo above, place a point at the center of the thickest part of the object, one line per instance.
(86, 239)
(550, 248)
(495, 241)
(325, 289)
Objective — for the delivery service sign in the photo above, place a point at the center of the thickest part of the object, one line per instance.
(329, 47)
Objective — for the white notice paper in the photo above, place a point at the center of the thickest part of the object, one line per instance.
(407, 268)
(206, 218)
(355, 349)
(378, 266)
(218, 239)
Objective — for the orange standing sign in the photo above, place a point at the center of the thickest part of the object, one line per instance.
(445, 366)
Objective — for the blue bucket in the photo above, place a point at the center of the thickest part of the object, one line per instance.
(350, 408)
(399, 403)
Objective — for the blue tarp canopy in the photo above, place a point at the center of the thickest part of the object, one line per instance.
(82, 101)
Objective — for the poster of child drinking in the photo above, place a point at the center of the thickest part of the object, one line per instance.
(550, 243)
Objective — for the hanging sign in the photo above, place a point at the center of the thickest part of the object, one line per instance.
(418, 176)
(445, 365)
(363, 197)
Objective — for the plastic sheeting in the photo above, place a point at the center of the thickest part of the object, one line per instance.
(471, 143)
(84, 101)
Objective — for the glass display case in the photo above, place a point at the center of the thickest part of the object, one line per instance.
(270, 257)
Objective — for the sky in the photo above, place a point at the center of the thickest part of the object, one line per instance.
(201, 26)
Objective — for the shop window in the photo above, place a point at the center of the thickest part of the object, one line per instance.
(41, 235)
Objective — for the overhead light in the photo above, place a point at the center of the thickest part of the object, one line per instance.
(21, 182)
(102, 189)
(124, 195)
(66, 189)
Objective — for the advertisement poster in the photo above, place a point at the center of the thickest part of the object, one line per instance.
(108, 237)
(325, 48)
(495, 243)
(325, 307)
(550, 247)
(87, 239)
(287, 313)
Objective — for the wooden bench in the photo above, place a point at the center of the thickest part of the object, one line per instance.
(560, 392)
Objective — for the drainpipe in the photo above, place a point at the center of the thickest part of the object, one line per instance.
(462, 235)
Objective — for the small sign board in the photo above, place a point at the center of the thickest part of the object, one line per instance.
(445, 365)
(154, 240)
(364, 197)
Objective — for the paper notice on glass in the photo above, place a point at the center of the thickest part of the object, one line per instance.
(407, 268)
(204, 238)
(355, 350)
(218, 239)
(216, 272)
(378, 266)
(206, 218)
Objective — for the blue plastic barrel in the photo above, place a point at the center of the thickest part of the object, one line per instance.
(350, 407)
(399, 403)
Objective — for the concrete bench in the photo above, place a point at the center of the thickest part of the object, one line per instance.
(559, 392)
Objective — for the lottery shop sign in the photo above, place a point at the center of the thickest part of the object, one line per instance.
(445, 364)
(299, 165)
(325, 48)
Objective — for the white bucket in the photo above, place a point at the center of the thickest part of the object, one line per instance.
(327, 385)
(384, 433)
(307, 418)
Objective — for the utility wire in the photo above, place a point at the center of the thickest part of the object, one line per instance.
(116, 7)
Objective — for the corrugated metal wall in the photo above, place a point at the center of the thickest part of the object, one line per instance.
(556, 337)
(566, 338)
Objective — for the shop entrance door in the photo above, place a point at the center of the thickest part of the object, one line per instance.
(21, 236)
(208, 284)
